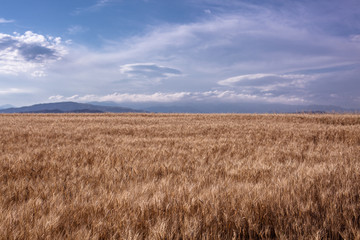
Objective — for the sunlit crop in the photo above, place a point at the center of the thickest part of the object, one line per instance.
(178, 176)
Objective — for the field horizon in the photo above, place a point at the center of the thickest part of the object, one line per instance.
(179, 176)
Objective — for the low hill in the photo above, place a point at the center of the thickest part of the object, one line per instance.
(68, 107)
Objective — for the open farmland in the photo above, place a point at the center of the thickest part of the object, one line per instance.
(179, 176)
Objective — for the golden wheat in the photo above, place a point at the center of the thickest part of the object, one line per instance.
(179, 176)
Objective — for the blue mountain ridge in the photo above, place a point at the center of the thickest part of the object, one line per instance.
(68, 107)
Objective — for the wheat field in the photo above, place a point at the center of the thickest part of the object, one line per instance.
(179, 176)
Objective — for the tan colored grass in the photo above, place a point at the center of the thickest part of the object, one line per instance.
(178, 176)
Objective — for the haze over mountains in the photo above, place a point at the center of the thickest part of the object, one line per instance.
(189, 107)
(68, 107)
(222, 107)
(6, 106)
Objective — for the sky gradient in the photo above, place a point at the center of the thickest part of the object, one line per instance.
(276, 51)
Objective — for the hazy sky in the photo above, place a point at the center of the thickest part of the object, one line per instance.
(297, 52)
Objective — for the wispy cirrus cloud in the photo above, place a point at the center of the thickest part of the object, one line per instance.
(287, 88)
(335, 85)
(8, 91)
(355, 38)
(76, 29)
(95, 7)
(267, 82)
(3, 20)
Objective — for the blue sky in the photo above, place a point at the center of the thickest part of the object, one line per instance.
(276, 51)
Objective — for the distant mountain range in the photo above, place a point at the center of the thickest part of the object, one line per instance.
(68, 107)
(221, 107)
(195, 107)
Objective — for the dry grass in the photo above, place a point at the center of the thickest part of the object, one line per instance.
(147, 176)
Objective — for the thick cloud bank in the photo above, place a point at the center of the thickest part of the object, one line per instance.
(28, 53)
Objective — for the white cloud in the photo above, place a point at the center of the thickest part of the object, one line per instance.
(148, 71)
(355, 38)
(126, 97)
(29, 53)
(76, 29)
(262, 80)
(3, 20)
(8, 91)
(98, 5)
(38, 74)
(207, 96)
(56, 98)
(273, 87)
(233, 80)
